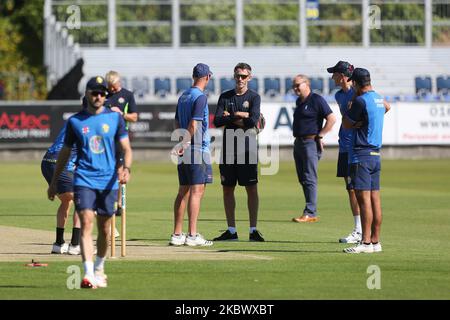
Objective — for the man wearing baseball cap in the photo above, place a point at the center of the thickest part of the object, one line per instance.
(342, 71)
(366, 117)
(96, 131)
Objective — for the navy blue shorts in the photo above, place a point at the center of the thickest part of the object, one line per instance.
(102, 201)
(244, 174)
(192, 174)
(65, 180)
(343, 167)
(365, 175)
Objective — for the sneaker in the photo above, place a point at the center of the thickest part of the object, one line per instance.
(177, 240)
(116, 233)
(101, 279)
(306, 218)
(88, 283)
(377, 247)
(60, 249)
(74, 250)
(354, 237)
(197, 240)
(227, 236)
(360, 248)
(256, 236)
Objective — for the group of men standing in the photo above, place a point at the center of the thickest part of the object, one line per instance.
(96, 142)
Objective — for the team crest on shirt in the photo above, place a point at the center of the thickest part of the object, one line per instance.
(246, 105)
(96, 144)
(85, 130)
(121, 100)
(105, 128)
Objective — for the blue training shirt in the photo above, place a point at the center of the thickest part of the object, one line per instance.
(53, 151)
(193, 105)
(343, 99)
(369, 109)
(95, 136)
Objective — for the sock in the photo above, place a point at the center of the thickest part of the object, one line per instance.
(252, 229)
(357, 223)
(367, 244)
(59, 236)
(76, 233)
(99, 263)
(374, 243)
(88, 268)
(232, 229)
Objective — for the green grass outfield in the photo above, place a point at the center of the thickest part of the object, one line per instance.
(307, 262)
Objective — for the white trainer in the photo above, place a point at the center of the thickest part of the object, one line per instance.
(60, 249)
(74, 250)
(354, 237)
(101, 279)
(197, 240)
(377, 247)
(177, 240)
(360, 248)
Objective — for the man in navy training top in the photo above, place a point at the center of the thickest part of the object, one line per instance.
(366, 116)
(64, 193)
(342, 71)
(122, 101)
(308, 129)
(194, 162)
(238, 110)
(95, 130)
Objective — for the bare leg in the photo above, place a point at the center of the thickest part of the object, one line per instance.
(63, 209)
(76, 220)
(365, 205)
(252, 203)
(179, 208)
(87, 225)
(377, 215)
(104, 229)
(352, 198)
(229, 203)
(195, 199)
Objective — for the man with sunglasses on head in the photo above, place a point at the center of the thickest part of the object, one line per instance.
(308, 129)
(238, 111)
(95, 131)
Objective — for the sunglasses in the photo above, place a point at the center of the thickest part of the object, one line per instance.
(241, 76)
(96, 93)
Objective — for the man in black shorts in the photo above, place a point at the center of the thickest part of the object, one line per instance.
(238, 110)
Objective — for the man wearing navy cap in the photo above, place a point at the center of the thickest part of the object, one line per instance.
(342, 71)
(194, 162)
(308, 129)
(366, 117)
(96, 131)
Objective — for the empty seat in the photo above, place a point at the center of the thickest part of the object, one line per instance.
(272, 87)
(254, 84)
(332, 88)
(227, 84)
(124, 82)
(183, 84)
(288, 86)
(423, 86)
(141, 86)
(211, 87)
(443, 85)
(316, 84)
(162, 87)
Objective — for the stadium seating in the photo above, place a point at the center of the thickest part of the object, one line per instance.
(162, 87)
(226, 84)
(254, 84)
(443, 85)
(211, 87)
(140, 86)
(332, 88)
(316, 85)
(288, 86)
(183, 84)
(272, 87)
(124, 82)
(423, 86)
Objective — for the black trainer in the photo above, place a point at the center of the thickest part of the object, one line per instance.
(227, 236)
(256, 236)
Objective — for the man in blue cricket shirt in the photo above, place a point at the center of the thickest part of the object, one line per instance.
(95, 130)
(194, 165)
(366, 116)
(308, 129)
(342, 71)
